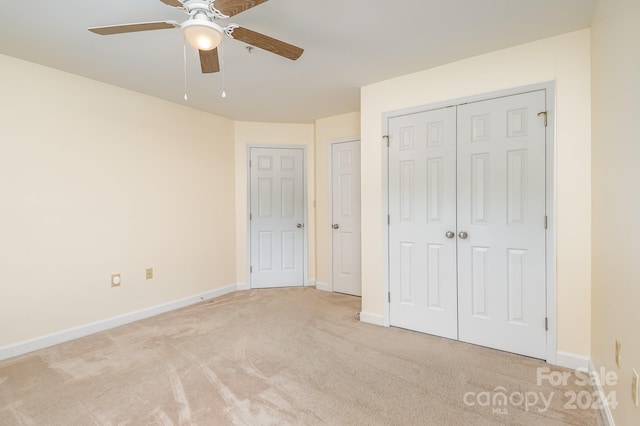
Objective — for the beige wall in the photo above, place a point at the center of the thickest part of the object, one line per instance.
(616, 201)
(328, 129)
(249, 133)
(565, 60)
(96, 180)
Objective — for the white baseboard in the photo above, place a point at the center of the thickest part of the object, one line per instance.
(572, 361)
(246, 286)
(607, 415)
(41, 342)
(323, 286)
(372, 319)
(584, 363)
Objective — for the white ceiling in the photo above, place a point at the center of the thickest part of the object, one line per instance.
(348, 44)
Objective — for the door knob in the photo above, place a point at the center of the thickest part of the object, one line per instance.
(335, 226)
(463, 235)
(299, 226)
(450, 234)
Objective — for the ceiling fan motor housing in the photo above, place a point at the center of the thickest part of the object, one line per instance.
(194, 7)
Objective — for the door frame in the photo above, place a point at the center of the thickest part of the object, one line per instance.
(550, 187)
(305, 215)
(333, 142)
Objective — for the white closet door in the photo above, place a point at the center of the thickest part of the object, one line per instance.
(277, 217)
(501, 234)
(345, 218)
(422, 206)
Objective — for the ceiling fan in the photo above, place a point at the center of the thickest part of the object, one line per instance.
(204, 34)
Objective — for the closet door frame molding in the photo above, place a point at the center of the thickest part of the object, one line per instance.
(305, 233)
(550, 188)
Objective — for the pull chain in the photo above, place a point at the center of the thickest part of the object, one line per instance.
(224, 94)
(184, 58)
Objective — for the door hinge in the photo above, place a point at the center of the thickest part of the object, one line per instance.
(389, 297)
(545, 117)
(546, 324)
(249, 163)
(388, 219)
(250, 216)
(546, 222)
(251, 269)
(387, 138)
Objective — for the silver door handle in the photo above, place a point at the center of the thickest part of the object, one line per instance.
(299, 226)
(335, 226)
(463, 235)
(450, 234)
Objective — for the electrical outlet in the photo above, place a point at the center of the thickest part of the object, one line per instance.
(115, 280)
(634, 387)
(149, 272)
(618, 345)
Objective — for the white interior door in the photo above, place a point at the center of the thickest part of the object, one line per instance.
(501, 210)
(422, 207)
(467, 232)
(345, 218)
(276, 217)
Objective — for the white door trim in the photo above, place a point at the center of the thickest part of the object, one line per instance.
(305, 214)
(333, 142)
(550, 207)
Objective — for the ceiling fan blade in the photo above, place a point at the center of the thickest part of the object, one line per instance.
(233, 7)
(132, 28)
(174, 3)
(209, 61)
(267, 43)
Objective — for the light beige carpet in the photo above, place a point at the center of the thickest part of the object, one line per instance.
(277, 357)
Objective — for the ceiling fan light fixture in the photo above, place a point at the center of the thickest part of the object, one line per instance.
(202, 34)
